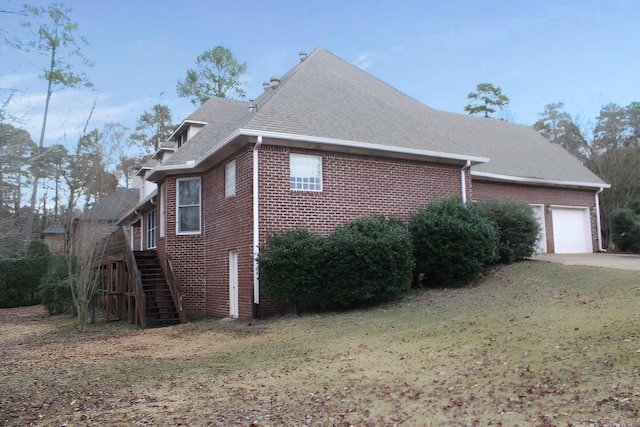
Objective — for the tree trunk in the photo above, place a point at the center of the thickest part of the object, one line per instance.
(28, 232)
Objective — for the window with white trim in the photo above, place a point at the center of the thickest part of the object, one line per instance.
(181, 139)
(305, 172)
(163, 209)
(230, 179)
(188, 206)
(151, 229)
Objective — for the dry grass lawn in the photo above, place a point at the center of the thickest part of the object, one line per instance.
(533, 344)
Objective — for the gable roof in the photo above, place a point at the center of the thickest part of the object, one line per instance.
(114, 206)
(325, 101)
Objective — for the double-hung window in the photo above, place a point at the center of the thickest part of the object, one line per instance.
(188, 215)
(151, 229)
(181, 139)
(305, 172)
(230, 179)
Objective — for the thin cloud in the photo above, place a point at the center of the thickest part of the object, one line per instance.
(69, 112)
(364, 60)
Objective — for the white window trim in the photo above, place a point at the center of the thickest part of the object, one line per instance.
(230, 178)
(182, 138)
(151, 231)
(292, 158)
(178, 207)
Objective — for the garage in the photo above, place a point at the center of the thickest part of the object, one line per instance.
(542, 239)
(571, 230)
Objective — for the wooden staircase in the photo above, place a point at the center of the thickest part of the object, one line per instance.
(160, 306)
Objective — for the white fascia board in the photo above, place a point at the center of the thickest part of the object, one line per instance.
(160, 150)
(192, 164)
(538, 181)
(315, 139)
(183, 125)
(365, 145)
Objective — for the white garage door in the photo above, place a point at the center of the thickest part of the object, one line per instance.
(571, 230)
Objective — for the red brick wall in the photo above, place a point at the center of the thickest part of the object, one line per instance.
(228, 225)
(535, 194)
(55, 243)
(187, 256)
(353, 186)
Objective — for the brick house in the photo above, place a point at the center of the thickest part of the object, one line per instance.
(324, 144)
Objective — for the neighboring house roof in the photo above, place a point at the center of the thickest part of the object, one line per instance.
(327, 101)
(133, 213)
(54, 229)
(114, 206)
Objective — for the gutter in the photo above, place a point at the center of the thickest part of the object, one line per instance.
(538, 181)
(598, 225)
(256, 229)
(404, 151)
(464, 181)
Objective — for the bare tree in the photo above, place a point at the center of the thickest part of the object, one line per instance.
(154, 127)
(55, 37)
(86, 249)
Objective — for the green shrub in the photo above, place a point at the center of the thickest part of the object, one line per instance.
(362, 262)
(452, 243)
(20, 277)
(290, 266)
(367, 260)
(625, 230)
(57, 298)
(55, 290)
(517, 225)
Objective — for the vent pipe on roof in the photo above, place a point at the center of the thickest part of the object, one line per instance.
(302, 55)
(275, 82)
(265, 85)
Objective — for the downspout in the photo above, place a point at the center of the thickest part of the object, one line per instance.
(598, 226)
(464, 181)
(256, 229)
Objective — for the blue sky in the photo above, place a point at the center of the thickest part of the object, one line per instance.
(583, 53)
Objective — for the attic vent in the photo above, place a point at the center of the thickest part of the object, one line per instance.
(253, 107)
(302, 55)
(265, 85)
(275, 82)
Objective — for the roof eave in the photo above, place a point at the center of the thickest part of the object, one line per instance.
(366, 146)
(193, 166)
(539, 181)
(133, 212)
(183, 125)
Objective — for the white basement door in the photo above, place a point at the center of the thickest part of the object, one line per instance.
(571, 230)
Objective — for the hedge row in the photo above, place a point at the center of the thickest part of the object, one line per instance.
(372, 259)
(625, 230)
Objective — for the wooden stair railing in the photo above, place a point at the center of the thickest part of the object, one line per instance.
(176, 289)
(136, 281)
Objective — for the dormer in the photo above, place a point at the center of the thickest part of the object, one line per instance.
(185, 131)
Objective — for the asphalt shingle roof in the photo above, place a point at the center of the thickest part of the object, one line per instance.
(115, 205)
(324, 96)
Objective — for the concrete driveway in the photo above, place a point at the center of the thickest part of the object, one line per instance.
(621, 261)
